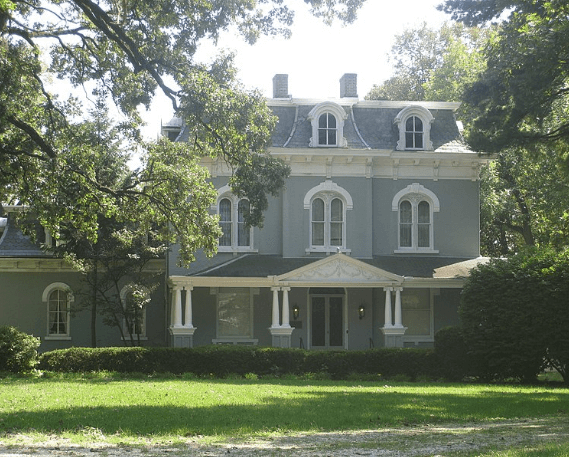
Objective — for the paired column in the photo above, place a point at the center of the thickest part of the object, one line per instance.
(393, 329)
(281, 332)
(181, 325)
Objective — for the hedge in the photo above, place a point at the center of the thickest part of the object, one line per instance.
(220, 361)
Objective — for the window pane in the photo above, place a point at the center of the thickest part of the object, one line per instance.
(318, 210)
(405, 213)
(337, 210)
(244, 232)
(323, 121)
(424, 212)
(418, 124)
(318, 234)
(331, 121)
(424, 235)
(416, 313)
(409, 140)
(336, 234)
(331, 137)
(322, 137)
(409, 127)
(418, 140)
(405, 235)
(234, 314)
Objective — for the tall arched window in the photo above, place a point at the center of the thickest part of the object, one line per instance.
(415, 206)
(58, 297)
(237, 236)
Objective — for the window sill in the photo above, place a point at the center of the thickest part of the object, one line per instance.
(236, 249)
(57, 338)
(128, 338)
(416, 251)
(328, 250)
(236, 341)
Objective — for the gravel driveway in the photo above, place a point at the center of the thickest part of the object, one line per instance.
(426, 440)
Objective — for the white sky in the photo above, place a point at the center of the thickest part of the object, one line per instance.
(316, 56)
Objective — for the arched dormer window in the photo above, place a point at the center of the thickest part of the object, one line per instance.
(414, 124)
(231, 209)
(58, 297)
(415, 206)
(327, 121)
(327, 204)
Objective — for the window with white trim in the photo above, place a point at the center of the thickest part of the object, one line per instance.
(414, 124)
(135, 298)
(58, 297)
(415, 206)
(237, 236)
(327, 120)
(327, 204)
(234, 313)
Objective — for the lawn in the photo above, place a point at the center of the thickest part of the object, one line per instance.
(172, 410)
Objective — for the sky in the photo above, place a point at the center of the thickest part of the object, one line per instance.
(316, 56)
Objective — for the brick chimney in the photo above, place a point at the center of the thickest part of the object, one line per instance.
(349, 85)
(280, 86)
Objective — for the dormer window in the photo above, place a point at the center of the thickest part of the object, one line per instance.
(414, 124)
(327, 131)
(327, 121)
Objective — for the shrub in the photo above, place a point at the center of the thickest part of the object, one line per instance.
(18, 350)
(452, 354)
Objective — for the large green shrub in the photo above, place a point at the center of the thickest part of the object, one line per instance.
(452, 354)
(515, 315)
(18, 350)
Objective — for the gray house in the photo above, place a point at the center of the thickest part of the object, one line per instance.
(367, 246)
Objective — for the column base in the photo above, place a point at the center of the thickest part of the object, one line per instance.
(393, 336)
(281, 336)
(182, 337)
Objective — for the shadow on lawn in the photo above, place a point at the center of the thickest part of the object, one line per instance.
(310, 410)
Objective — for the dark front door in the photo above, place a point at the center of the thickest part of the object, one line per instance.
(327, 321)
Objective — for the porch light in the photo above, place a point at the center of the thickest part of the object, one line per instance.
(295, 311)
(362, 311)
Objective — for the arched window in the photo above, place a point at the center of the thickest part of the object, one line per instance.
(135, 298)
(415, 205)
(328, 203)
(414, 124)
(237, 236)
(327, 120)
(58, 297)
(327, 130)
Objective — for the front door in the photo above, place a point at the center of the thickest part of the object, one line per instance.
(327, 321)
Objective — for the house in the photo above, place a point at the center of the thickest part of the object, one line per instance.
(366, 246)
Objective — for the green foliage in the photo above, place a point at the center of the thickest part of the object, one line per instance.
(18, 350)
(514, 316)
(452, 353)
(220, 361)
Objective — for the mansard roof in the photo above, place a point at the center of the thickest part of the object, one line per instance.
(13, 243)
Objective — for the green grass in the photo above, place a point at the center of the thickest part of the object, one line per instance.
(170, 410)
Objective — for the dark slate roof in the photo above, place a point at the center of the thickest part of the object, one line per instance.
(14, 243)
(262, 266)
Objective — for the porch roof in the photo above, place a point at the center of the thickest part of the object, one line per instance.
(262, 266)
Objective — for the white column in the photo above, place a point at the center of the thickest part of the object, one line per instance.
(286, 310)
(188, 308)
(398, 322)
(276, 322)
(388, 320)
(176, 318)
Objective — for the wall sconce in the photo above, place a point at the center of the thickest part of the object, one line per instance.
(295, 311)
(361, 311)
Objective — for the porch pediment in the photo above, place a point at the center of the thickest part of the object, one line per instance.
(340, 269)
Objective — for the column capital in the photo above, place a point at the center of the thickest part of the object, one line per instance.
(287, 288)
(275, 288)
(388, 289)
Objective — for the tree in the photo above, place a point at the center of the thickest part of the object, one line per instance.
(522, 95)
(130, 49)
(514, 315)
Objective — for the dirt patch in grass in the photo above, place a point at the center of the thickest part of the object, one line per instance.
(411, 441)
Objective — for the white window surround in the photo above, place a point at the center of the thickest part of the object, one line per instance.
(426, 117)
(232, 330)
(416, 193)
(70, 298)
(225, 192)
(123, 297)
(339, 113)
(328, 191)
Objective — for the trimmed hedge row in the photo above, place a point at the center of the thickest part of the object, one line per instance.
(220, 361)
